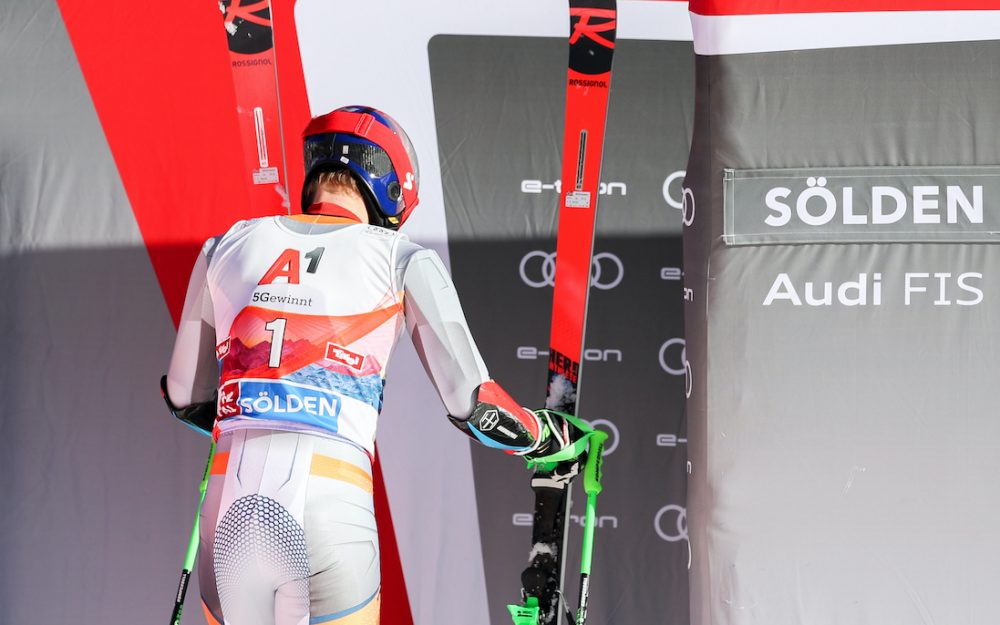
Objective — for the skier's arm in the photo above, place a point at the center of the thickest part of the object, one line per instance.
(191, 383)
(476, 404)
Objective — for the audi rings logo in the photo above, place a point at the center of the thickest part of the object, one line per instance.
(671, 523)
(538, 270)
(613, 435)
(673, 357)
(685, 203)
(669, 189)
(673, 360)
(688, 379)
(687, 207)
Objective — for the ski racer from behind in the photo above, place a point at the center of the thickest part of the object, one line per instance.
(281, 354)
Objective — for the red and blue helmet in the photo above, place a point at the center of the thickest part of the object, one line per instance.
(376, 150)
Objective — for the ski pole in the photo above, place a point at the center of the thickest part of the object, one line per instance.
(592, 487)
(192, 549)
(590, 442)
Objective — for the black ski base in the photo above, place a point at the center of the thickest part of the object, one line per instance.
(543, 577)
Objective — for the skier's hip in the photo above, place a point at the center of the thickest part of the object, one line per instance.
(288, 530)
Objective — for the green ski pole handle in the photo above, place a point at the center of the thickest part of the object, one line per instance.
(192, 549)
(590, 442)
(572, 451)
(592, 474)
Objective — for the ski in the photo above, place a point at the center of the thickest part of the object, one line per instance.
(251, 54)
(591, 46)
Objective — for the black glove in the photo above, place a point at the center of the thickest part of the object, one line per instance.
(200, 416)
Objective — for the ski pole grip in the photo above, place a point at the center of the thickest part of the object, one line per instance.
(592, 472)
(570, 452)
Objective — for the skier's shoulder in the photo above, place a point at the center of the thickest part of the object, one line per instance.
(242, 228)
(415, 262)
(407, 249)
(236, 232)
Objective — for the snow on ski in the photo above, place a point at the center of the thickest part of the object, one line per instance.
(591, 48)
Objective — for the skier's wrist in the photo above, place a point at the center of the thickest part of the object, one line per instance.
(542, 445)
(555, 434)
(198, 416)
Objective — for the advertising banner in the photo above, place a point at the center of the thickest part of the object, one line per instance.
(841, 294)
(862, 205)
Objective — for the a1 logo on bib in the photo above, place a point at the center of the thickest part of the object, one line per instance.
(346, 357)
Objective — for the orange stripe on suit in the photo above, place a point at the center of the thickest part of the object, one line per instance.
(325, 466)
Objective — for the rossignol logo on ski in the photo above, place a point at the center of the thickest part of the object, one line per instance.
(248, 26)
(588, 82)
(584, 27)
(591, 45)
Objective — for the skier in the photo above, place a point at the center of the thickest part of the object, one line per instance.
(281, 353)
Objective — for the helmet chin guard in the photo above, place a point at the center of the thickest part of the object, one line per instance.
(377, 152)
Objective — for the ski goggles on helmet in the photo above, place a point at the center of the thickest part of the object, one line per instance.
(375, 150)
(372, 160)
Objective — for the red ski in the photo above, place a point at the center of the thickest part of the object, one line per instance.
(591, 47)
